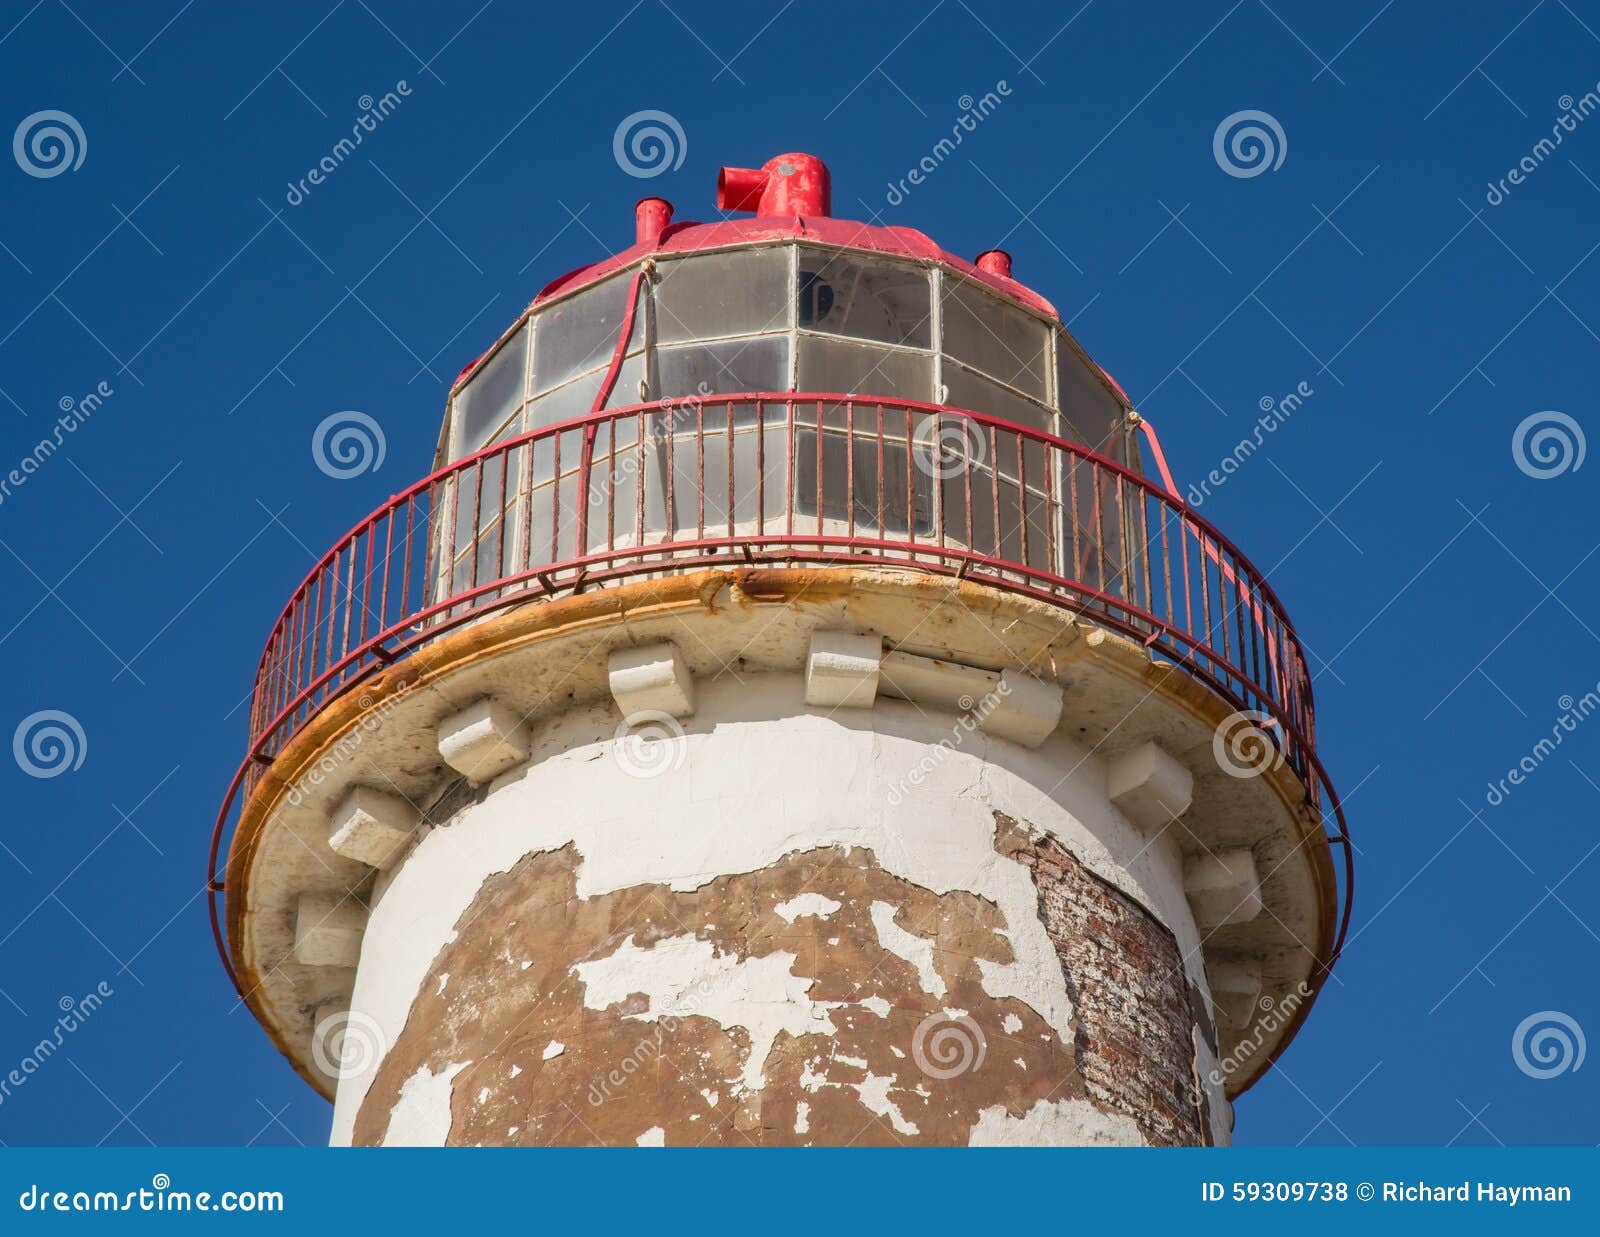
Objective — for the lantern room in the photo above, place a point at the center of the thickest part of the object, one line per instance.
(699, 320)
(727, 316)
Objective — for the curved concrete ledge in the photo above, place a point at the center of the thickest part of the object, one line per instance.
(542, 660)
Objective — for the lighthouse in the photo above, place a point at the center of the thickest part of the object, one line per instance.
(787, 714)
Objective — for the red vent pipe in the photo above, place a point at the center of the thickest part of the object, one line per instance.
(789, 185)
(994, 262)
(650, 219)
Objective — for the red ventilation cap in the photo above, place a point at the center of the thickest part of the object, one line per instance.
(650, 219)
(789, 185)
(994, 262)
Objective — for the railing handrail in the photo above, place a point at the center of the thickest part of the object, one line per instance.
(1288, 697)
(555, 428)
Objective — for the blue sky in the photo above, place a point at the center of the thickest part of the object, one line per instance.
(1448, 597)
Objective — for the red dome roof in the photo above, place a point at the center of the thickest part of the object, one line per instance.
(687, 237)
(792, 191)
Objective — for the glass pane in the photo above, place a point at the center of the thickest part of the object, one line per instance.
(713, 483)
(995, 337)
(656, 429)
(626, 390)
(573, 400)
(860, 475)
(484, 543)
(734, 365)
(580, 332)
(540, 524)
(760, 465)
(1091, 413)
(475, 488)
(860, 369)
(492, 485)
(965, 389)
(494, 393)
(870, 298)
(1091, 537)
(618, 462)
(722, 294)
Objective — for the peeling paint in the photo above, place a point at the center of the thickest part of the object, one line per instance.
(806, 904)
(685, 977)
(793, 961)
(1055, 1124)
(902, 944)
(874, 1093)
(645, 832)
(421, 1116)
(659, 1027)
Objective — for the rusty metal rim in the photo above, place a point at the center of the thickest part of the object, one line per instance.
(785, 550)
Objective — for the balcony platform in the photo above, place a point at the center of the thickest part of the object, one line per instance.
(548, 659)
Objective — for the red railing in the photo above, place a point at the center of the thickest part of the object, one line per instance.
(747, 479)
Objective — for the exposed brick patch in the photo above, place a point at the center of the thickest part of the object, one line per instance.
(1138, 1018)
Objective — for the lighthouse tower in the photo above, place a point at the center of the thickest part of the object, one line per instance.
(785, 715)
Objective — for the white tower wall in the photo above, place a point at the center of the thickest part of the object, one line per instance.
(791, 924)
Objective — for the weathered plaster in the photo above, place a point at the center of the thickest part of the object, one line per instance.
(715, 813)
(421, 1116)
(715, 1034)
(1061, 1123)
